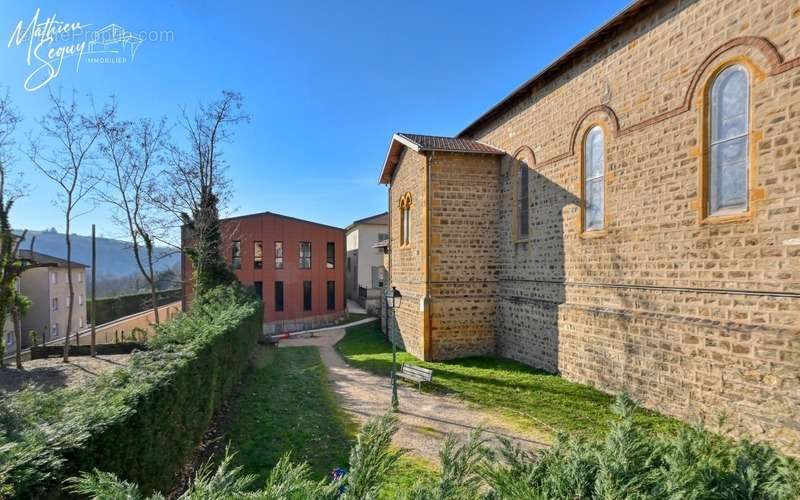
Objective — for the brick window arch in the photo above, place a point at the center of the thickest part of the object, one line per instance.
(405, 219)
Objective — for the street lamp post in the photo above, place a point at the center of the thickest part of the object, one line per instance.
(393, 300)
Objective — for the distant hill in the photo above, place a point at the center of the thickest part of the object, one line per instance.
(115, 260)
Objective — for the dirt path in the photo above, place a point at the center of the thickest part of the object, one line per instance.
(425, 419)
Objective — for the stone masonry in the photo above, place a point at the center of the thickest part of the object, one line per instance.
(695, 317)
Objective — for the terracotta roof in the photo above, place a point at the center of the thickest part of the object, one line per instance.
(451, 144)
(418, 143)
(563, 63)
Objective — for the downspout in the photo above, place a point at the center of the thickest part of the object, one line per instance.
(426, 326)
(389, 250)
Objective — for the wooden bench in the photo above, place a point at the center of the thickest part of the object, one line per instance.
(416, 374)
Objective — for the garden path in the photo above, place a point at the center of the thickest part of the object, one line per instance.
(425, 419)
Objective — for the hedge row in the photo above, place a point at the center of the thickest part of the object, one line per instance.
(112, 308)
(140, 422)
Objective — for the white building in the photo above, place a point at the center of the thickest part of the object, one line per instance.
(364, 271)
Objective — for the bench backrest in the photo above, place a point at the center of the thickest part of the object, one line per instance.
(418, 371)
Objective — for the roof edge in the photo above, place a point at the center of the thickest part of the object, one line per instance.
(595, 36)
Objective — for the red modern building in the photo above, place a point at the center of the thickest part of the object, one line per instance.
(296, 266)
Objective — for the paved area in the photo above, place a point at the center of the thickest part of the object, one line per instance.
(425, 419)
(354, 307)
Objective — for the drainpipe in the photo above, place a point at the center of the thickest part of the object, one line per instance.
(426, 318)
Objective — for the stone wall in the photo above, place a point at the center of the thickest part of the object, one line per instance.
(465, 202)
(408, 262)
(694, 318)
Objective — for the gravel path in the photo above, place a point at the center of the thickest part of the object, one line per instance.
(51, 373)
(425, 419)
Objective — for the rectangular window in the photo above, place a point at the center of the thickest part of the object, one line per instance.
(279, 295)
(53, 277)
(331, 295)
(259, 288)
(80, 277)
(55, 303)
(258, 254)
(80, 322)
(236, 254)
(383, 236)
(348, 264)
(80, 300)
(305, 255)
(306, 295)
(55, 329)
(69, 301)
(278, 255)
(330, 261)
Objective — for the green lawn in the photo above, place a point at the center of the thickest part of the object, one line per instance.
(286, 405)
(531, 398)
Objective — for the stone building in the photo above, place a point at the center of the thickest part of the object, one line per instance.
(628, 218)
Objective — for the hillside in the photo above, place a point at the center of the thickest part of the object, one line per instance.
(116, 265)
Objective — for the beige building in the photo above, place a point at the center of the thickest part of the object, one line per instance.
(365, 273)
(48, 289)
(628, 218)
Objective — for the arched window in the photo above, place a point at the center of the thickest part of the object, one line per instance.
(523, 206)
(593, 180)
(728, 142)
(405, 219)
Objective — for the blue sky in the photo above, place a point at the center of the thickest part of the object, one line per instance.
(326, 83)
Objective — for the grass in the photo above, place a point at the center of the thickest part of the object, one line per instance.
(286, 405)
(533, 399)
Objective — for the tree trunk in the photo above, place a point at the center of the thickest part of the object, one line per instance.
(152, 281)
(94, 296)
(71, 292)
(17, 334)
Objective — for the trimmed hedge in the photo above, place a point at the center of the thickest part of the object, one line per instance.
(140, 422)
(112, 308)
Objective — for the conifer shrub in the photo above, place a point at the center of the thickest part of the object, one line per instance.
(139, 422)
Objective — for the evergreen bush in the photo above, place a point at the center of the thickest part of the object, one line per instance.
(141, 421)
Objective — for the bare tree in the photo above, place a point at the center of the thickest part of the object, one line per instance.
(135, 150)
(11, 189)
(196, 186)
(64, 152)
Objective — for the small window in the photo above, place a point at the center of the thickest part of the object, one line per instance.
(258, 255)
(69, 301)
(305, 255)
(236, 254)
(55, 330)
(331, 295)
(53, 277)
(258, 286)
(728, 142)
(80, 322)
(80, 300)
(405, 219)
(522, 201)
(279, 296)
(80, 277)
(593, 181)
(306, 295)
(55, 303)
(330, 260)
(278, 255)
(383, 236)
